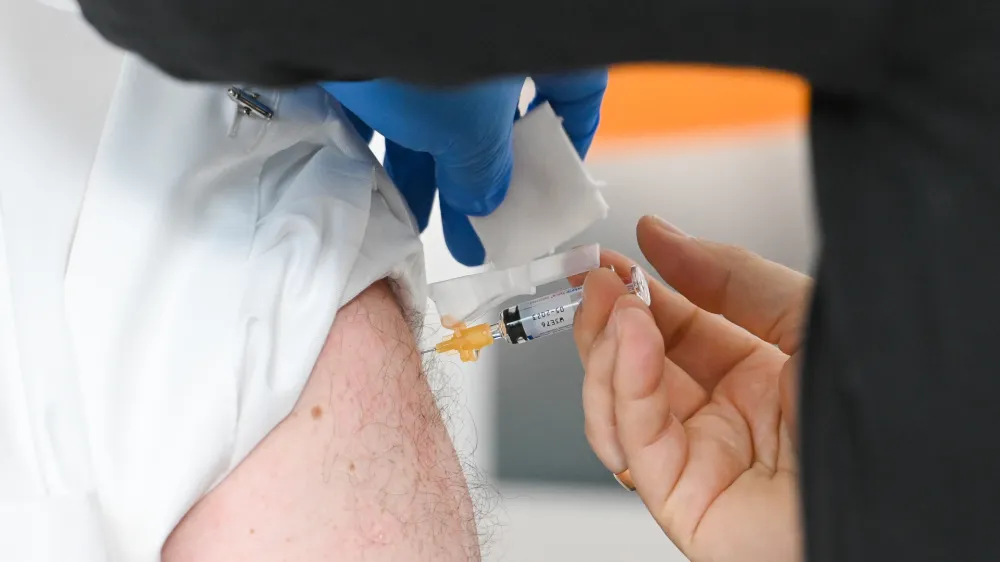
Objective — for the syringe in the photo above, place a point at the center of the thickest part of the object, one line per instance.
(531, 320)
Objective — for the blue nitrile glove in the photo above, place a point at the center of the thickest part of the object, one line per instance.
(458, 140)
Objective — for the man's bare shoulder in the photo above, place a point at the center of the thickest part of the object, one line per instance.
(362, 469)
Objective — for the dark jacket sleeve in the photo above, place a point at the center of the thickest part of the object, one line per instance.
(445, 41)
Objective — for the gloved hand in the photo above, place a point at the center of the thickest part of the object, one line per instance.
(458, 140)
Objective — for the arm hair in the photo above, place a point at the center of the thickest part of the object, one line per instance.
(362, 469)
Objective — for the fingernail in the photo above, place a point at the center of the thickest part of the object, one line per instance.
(668, 226)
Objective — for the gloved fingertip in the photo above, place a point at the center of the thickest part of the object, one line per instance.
(468, 255)
(461, 237)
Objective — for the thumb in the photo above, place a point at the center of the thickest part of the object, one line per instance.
(653, 439)
(473, 177)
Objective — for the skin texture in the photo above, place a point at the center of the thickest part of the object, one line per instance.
(700, 407)
(362, 469)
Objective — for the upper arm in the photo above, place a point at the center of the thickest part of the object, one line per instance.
(362, 469)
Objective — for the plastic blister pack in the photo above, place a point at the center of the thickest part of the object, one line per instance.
(464, 299)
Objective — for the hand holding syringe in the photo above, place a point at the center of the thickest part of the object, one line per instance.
(529, 320)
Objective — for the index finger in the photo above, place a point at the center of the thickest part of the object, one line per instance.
(765, 298)
(704, 345)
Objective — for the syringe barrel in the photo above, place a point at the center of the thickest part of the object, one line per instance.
(541, 317)
(554, 313)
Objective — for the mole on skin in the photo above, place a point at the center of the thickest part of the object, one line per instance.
(317, 412)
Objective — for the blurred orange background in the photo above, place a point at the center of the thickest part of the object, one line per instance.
(657, 101)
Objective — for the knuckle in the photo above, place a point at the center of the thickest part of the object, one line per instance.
(659, 430)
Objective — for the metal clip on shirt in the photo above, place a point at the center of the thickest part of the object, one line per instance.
(250, 104)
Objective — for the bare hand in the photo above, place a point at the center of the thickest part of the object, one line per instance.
(700, 408)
